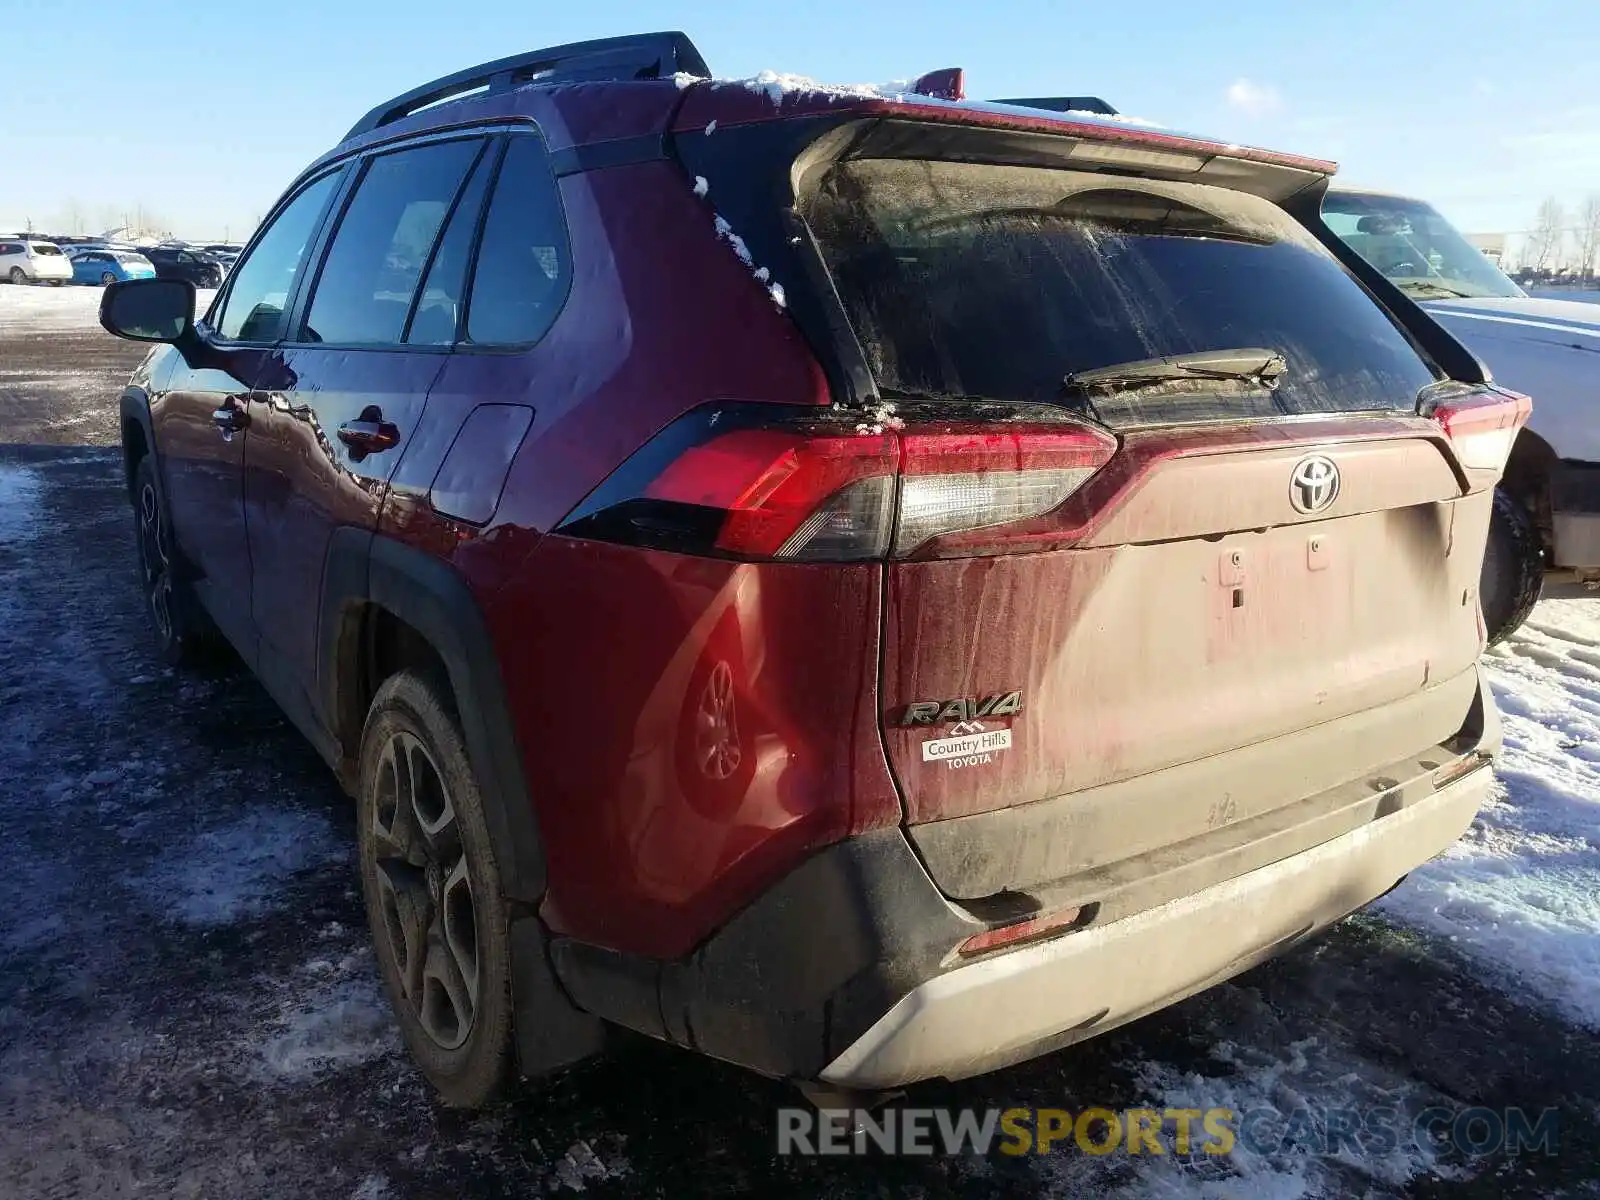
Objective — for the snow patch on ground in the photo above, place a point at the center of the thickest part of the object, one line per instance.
(19, 504)
(28, 309)
(1520, 893)
(335, 1015)
(239, 870)
(582, 1165)
(373, 1187)
(1282, 1082)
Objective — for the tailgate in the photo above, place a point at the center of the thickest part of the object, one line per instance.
(1201, 614)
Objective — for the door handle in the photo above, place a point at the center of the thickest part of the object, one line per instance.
(371, 434)
(229, 418)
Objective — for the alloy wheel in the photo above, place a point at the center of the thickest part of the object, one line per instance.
(425, 891)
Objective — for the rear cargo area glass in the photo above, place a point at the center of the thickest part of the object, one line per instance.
(997, 282)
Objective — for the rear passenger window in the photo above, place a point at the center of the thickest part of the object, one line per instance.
(370, 275)
(524, 264)
(438, 314)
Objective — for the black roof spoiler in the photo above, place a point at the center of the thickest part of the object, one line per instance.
(1088, 104)
(636, 56)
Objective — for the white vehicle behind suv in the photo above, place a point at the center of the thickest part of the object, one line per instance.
(25, 260)
(1547, 508)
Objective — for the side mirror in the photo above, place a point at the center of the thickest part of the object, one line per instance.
(150, 310)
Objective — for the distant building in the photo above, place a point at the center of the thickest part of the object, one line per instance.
(1493, 246)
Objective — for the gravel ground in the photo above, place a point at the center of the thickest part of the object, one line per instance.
(188, 1004)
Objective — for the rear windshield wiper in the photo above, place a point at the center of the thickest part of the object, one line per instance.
(1264, 368)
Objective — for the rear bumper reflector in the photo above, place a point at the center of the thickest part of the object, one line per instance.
(1031, 930)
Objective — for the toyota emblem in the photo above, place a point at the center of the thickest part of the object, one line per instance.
(1314, 484)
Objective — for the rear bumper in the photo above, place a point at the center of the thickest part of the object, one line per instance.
(847, 969)
(1014, 1006)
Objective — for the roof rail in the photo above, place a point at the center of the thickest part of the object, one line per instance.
(1089, 104)
(636, 56)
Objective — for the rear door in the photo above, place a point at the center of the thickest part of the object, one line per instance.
(1252, 557)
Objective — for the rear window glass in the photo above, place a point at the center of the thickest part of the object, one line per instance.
(995, 282)
(45, 248)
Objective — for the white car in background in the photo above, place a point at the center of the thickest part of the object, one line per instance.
(1547, 509)
(27, 260)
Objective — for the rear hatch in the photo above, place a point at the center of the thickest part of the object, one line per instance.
(1172, 486)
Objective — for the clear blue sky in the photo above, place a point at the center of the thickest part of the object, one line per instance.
(201, 113)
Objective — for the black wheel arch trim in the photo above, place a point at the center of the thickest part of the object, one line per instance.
(134, 408)
(364, 569)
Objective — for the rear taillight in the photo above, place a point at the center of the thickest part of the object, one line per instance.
(1482, 426)
(981, 477)
(760, 482)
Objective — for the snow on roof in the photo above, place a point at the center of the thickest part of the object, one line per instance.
(776, 85)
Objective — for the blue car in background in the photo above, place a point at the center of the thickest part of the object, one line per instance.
(109, 266)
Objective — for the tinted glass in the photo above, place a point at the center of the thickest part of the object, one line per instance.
(969, 280)
(378, 253)
(263, 279)
(45, 249)
(1414, 246)
(439, 306)
(524, 265)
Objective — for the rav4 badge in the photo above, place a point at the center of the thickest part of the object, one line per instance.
(962, 708)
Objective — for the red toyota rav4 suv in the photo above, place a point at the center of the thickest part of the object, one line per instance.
(865, 587)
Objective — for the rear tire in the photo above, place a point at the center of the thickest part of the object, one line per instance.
(438, 918)
(1513, 568)
(18, 276)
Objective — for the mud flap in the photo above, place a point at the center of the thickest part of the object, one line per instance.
(551, 1032)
